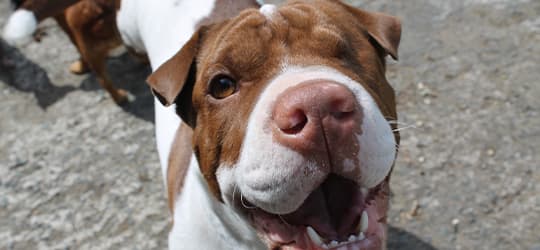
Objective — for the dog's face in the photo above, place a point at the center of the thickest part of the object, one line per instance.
(289, 110)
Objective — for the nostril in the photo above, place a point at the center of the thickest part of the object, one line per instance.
(297, 122)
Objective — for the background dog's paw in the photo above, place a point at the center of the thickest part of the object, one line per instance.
(79, 67)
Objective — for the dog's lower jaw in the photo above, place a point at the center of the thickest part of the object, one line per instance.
(291, 231)
(202, 222)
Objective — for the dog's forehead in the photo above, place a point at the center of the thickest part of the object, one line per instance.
(297, 31)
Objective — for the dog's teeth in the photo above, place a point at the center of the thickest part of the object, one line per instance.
(314, 236)
(318, 240)
(364, 222)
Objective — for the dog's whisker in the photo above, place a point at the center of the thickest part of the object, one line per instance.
(398, 122)
(403, 128)
(244, 204)
(234, 193)
(283, 220)
(402, 125)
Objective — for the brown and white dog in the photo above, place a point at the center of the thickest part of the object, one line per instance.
(284, 141)
(90, 25)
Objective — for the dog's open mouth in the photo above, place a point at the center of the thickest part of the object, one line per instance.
(337, 215)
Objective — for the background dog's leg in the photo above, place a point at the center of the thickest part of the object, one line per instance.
(96, 57)
(79, 66)
(93, 28)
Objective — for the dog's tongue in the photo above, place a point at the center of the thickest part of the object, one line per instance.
(332, 210)
(314, 213)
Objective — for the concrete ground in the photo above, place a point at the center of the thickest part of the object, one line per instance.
(79, 172)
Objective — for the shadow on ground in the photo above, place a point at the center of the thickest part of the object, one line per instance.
(126, 72)
(130, 74)
(15, 70)
(399, 239)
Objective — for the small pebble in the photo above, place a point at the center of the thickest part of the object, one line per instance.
(455, 223)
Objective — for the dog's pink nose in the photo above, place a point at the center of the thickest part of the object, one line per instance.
(313, 113)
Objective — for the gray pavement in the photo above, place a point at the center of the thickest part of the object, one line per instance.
(79, 172)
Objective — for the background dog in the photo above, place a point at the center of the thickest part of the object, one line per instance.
(89, 24)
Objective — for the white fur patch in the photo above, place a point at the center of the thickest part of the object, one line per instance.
(20, 27)
(202, 222)
(160, 38)
(168, 122)
(268, 10)
(278, 179)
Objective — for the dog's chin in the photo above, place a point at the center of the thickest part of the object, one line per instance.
(339, 214)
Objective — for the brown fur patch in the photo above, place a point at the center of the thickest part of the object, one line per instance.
(47, 8)
(178, 162)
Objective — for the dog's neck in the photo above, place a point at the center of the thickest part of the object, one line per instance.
(210, 221)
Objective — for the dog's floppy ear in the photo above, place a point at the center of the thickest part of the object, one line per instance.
(174, 80)
(170, 78)
(384, 29)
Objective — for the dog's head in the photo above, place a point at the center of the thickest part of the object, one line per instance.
(289, 111)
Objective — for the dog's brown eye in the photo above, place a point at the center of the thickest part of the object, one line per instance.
(222, 86)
